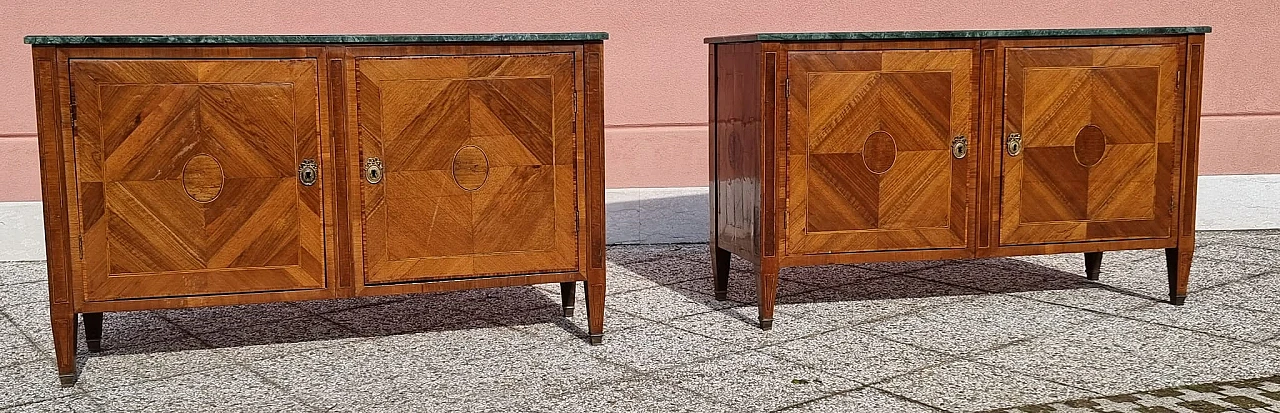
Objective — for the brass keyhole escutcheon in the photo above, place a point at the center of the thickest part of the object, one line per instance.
(373, 170)
(308, 172)
(960, 147)
(1014, 143)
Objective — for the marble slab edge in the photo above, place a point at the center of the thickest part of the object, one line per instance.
(313, 39)
(958, 34)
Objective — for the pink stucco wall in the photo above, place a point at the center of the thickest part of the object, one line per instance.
(656, 62)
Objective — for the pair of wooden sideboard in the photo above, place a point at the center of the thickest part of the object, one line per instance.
(183, 171)
(888, 146)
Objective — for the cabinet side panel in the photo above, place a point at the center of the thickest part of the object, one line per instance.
(712, 158)
(52, 177)
(737, 144)
(594, 125)
(1191, 136)
(54, 192)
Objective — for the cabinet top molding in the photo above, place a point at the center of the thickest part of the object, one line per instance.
(957, 34)
(314, 38)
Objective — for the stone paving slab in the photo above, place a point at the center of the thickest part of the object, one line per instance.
(1250, 395)
(1020, 334)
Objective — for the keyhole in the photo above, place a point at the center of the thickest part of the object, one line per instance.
(309, 176)
(373, 173)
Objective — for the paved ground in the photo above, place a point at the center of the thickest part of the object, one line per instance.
(1016, 335)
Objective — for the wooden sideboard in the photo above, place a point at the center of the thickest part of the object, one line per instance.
(183, 171)
(887, 146)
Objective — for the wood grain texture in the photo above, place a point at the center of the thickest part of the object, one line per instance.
(1098, 132)
(1180, 258)
(181, 193)
(1105, 120)
(479, 165)
(988, 149)
(170, 174)
(719, 256)
(870, 165)
(53, 166)
(592, 161)
(738, 138)
(344, 261)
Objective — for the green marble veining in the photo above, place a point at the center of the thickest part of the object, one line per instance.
(957, 34)
(317, 38)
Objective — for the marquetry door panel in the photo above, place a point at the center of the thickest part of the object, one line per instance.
(870, 162)
(1098, 128)
(187, 176)
(478, 156)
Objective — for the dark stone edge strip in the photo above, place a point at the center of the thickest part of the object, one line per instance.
(959, 34)
(313, 39)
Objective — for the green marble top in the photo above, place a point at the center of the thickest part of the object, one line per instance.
(956, 34)
(317, 38)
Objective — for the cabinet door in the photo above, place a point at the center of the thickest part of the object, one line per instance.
(870, 162)
(1097, 128)
(188, 176)
(478, 159)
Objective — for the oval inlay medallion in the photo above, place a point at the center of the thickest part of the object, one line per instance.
(879, 152)
(470, 167)
(202, 178)
(1091, 144)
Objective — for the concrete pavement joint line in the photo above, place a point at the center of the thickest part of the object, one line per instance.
(853, 325)
(1247, 277)
(911, 400)
(30, 340)
(965, 357)
(866, 386)
(21, 283)
(278, 386)
(1268, 248)
(872, 385)
(1273, 341)
(779, 359)
(75, 391)
(1122, 316)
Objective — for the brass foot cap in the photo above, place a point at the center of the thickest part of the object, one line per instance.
(1175, 300)
(766, 324)
(722, 295)
(596, 339)
(94, 345)
(67, 380)
(568, 312)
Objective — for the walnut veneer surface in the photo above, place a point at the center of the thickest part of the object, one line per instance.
(181, 171)
(888, 146)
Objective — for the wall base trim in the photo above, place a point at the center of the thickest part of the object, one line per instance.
(680, 215)
(21, 231)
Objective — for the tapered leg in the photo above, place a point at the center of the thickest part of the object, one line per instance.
(93, 330)
(720, 270)
(64, 323)
(595, 305)
(1092, 263)
(566, 298)
(1179, 261)
(767, 290)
